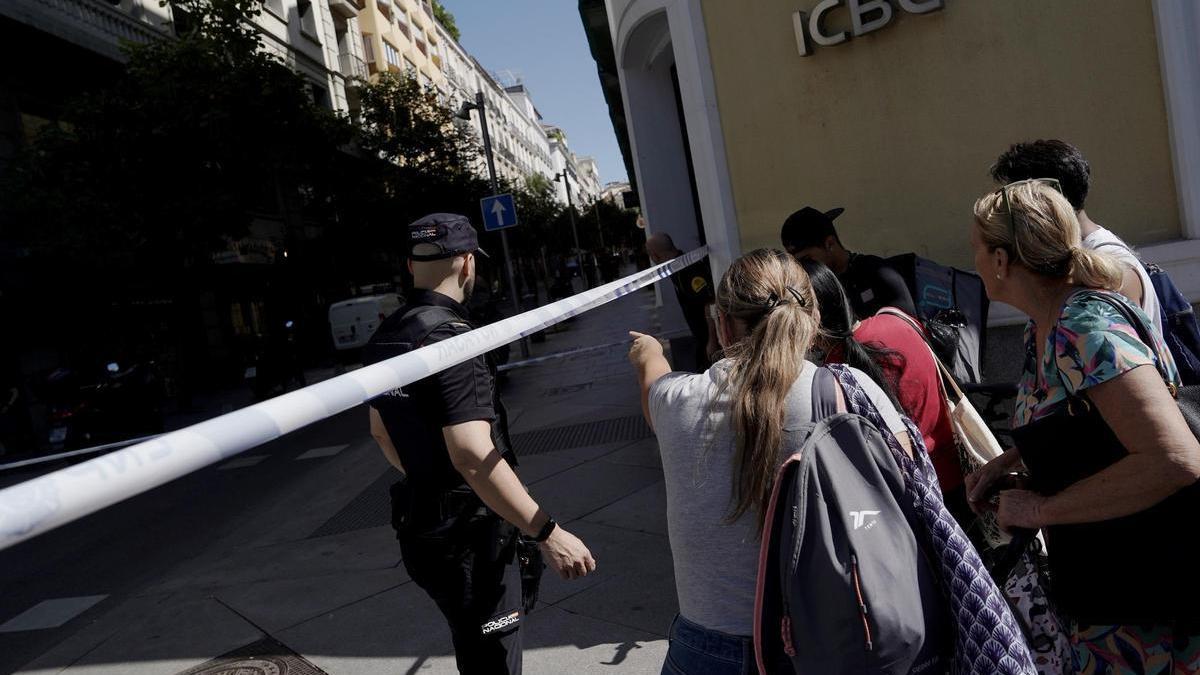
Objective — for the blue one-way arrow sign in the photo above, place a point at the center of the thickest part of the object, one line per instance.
(498, 212)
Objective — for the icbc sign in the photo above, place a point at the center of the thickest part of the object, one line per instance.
(865, 16)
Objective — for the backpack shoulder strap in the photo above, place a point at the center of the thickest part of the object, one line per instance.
(824, 395)
(429, 318)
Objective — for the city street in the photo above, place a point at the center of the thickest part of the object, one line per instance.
(289, 543)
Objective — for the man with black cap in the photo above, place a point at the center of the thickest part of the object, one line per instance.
(870, 282)
(460, 509)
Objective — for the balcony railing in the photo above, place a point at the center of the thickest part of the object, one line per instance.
(347, 9)
(105, 25)
(352, 65)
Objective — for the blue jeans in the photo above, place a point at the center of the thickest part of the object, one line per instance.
(696, 650)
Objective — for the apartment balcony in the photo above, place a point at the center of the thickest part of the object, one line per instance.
(386, 5)
(347, 9)
(421, 47)
(353, 66)
(92, 24)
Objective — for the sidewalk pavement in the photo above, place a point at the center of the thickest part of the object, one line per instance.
(313, 582)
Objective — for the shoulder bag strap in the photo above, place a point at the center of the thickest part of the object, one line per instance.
(947, 379)
(1143, 331)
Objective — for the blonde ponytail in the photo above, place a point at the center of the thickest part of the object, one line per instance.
(1095, 269)
(770, 294)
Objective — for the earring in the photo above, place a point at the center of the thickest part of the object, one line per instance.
(998, 276)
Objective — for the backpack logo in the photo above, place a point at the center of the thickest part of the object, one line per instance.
(860, 519)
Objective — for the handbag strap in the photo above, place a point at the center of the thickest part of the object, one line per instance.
(947, 379)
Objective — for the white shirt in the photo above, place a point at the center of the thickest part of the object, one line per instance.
(1105, 241)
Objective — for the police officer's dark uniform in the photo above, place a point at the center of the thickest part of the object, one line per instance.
(694, 288)
(456, 549)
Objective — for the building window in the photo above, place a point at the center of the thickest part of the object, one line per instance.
(320, 96)
(276, 7)
(402, 23)
(410, 67)
(392, 54)
(308, 18)
(368, 48)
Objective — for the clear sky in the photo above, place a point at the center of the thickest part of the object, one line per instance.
(543, 43)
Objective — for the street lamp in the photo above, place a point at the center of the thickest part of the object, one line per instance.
(464, 113)
(562, 177)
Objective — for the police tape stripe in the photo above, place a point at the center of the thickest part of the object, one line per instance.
(41, 504)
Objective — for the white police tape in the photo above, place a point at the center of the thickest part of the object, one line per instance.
(44, 503)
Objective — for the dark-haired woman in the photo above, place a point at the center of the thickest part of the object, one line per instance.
(889, 349)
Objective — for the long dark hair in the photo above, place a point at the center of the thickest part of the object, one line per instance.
(837, 327)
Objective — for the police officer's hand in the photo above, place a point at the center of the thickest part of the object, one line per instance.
(567, 555)
(644, 348)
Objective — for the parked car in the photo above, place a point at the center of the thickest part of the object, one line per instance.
(353, 322)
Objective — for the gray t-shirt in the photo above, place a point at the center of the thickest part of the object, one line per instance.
(716, 563)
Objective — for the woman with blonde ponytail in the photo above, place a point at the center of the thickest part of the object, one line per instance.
(720, 437)
(1112, 463)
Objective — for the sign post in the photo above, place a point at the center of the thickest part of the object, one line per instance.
(502, 211)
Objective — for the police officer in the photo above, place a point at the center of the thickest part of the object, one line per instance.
(461, 506)
(694, 288)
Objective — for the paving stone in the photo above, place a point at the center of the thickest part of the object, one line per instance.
(50, 613)
(171, 637)
(278, 604)
(642, 511)
(348, 554)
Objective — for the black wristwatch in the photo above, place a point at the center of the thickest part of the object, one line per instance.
(544, 533)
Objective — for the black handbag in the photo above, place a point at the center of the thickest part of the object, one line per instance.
(1136, 569)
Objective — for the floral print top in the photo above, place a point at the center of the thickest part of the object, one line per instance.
(1093, 343)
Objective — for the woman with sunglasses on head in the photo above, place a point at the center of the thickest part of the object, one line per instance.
(1111, 460)
(720, 437)
(890, 347)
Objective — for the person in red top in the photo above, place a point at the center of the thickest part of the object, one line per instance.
(891, 351)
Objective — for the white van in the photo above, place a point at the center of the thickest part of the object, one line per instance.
(354, 321)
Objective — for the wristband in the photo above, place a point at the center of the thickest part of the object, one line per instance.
(544, 533)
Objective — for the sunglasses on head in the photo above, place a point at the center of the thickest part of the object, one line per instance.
(1012, 221)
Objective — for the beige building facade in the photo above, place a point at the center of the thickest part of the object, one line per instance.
(739, 113)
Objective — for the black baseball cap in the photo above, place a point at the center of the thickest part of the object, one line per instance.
(809, 227)
(442, 235)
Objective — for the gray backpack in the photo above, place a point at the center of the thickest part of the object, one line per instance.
(844, 583)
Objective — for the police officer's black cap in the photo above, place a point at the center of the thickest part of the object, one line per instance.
(809, 227)
(442, 235)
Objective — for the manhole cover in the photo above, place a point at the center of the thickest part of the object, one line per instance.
(265, 657)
